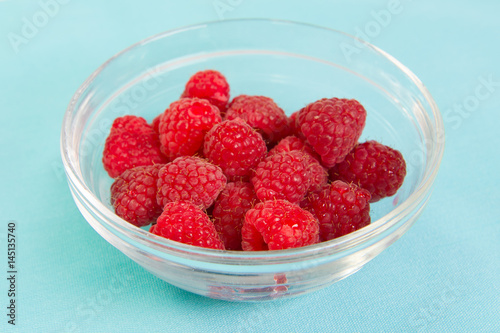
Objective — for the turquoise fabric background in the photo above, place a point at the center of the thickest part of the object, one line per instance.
(442, 276)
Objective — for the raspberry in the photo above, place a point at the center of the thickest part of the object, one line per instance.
(184, 125)
(229, 212)
(262, 114)
(182, 221)
(374, 167)
(293, 126)
(130, 143)
(332, 127)
(276, 225)
(235, 147)
(293, 143)
(282, 176)
(190, 178)
(131, 124)
(318, 174)
(210, 85)
(155, 124)
(340, 208)
(133, 195)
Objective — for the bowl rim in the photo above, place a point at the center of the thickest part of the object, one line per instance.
(335, 246)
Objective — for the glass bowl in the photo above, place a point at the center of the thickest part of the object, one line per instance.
(295, 64)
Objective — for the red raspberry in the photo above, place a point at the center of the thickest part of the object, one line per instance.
(229, 212)
(235, 147)
(262, 114)
(282, 176)
(374, 167)
(131, 142)
(332, 127)
(184, 125)
(276, 225)
(190, 178)
(340, 208)
(293, 143)
(132, 124)
(133, 194)
(210, 85)
(318, 174)
(155, 124)
(293, 126)
(182, 221)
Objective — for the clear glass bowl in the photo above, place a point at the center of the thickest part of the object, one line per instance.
(294, 64)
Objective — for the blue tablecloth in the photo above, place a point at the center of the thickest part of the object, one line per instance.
(441, 276)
